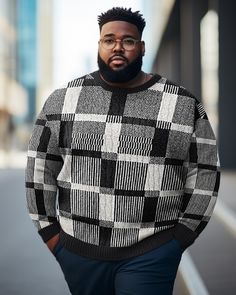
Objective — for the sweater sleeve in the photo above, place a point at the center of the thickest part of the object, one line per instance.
(44, 163)
(202, 181)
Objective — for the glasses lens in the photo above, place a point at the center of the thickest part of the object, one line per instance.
(108, 43)
(128, 43)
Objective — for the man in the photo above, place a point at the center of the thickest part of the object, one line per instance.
(134, 161)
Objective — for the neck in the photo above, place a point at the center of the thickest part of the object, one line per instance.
(140, 79)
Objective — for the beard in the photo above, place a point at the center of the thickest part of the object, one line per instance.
(123, 75)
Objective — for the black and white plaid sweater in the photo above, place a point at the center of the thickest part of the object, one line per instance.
(119, 172)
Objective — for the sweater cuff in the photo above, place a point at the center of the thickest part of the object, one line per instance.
(184, 235)
(50, 231)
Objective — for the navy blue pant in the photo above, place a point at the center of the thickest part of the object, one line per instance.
(152, 273)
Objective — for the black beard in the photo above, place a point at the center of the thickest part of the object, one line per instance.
(123, 75)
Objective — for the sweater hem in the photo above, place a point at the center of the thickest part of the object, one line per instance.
(184, 235)
(115, 253)
(48, 232)
(180, 232)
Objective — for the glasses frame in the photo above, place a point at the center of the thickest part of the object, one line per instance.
(121, 41)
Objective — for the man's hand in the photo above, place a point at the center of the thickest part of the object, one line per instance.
(52, 242)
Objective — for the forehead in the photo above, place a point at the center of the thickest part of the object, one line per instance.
(119, 29)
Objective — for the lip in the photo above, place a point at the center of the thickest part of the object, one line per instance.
(118, 60)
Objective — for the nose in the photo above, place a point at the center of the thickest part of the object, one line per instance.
(118, 47)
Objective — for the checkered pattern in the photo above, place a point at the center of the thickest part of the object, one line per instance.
(124, 165)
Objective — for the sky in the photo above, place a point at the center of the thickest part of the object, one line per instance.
(76, 35)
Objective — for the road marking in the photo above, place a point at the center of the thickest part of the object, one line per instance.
(226, 215)
(191, 276)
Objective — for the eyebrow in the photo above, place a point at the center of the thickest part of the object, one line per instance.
(125, 36)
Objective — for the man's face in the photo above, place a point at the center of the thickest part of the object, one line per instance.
(118, 58)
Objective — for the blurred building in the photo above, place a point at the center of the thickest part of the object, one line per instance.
(197, 50)
(45, 56)
(26, 28)
(7, 69)
(25, 67)
(17, 70)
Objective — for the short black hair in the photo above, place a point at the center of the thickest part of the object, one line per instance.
(122, 14)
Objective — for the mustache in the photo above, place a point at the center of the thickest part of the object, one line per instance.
(117, 55)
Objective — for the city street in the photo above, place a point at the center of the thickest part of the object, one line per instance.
(28, 268)
(151, 91)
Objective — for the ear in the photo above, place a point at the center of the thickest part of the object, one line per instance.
(143, 48)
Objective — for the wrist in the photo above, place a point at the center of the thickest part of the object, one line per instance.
(51, 243)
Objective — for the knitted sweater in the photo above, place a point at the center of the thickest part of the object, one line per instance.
(119, 172)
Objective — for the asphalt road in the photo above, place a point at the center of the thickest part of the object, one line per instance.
(28, 268)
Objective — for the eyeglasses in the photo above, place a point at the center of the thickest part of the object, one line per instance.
(127, 43)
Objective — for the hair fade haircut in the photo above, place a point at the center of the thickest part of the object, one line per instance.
(122, 14)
